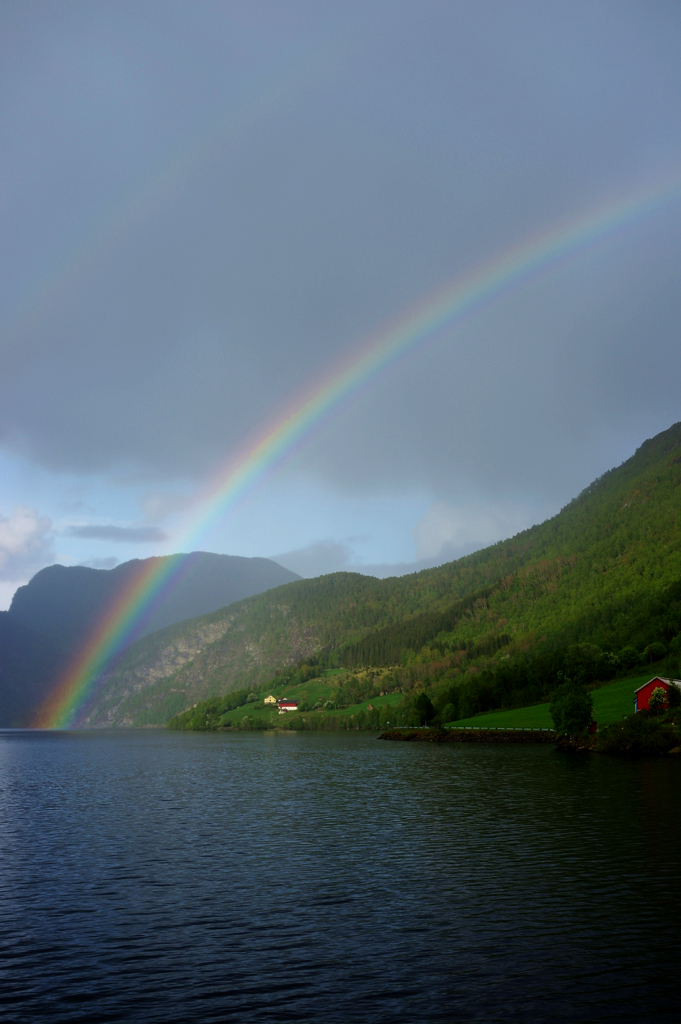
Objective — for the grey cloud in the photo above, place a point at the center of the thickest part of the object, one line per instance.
(196, 306)
(453, 531)
(124, 534)
(317, 559)
(158, 506)
(383, 570)
(324, 557)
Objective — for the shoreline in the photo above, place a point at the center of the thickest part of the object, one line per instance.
(471, 735)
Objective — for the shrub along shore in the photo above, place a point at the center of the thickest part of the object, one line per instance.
(640, 734)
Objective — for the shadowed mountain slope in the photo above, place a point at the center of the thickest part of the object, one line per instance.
(27, 662)
(591, 573)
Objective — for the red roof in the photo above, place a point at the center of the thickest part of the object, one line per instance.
(287, 703)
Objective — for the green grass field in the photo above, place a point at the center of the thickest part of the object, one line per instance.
(310, 692)
(535, 717)
(378, 702)
(611, 703)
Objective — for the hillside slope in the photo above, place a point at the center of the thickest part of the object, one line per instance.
(594, 572)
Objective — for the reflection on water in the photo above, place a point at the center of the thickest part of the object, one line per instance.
(152, 876)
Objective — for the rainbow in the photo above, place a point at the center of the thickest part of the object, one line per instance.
(281, 438)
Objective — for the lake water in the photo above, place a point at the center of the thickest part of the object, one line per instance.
(153, 876)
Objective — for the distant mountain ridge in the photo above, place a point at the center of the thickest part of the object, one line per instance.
(602, 571)
(67, 601)
(54, 613)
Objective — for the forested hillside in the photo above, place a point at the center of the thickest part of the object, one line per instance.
(601, 573)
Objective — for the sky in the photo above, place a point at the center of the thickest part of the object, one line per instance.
(204, 207)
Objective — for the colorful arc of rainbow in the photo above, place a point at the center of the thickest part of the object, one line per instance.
(236, 479)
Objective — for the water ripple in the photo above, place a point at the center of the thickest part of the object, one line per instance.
(164, 877)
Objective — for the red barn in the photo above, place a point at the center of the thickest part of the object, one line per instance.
(642, 695)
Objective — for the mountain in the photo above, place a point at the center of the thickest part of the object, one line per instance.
(66, 601)
(27, 665)
(603, 573)
(53, 614)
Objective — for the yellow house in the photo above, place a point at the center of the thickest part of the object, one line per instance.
(270, 700)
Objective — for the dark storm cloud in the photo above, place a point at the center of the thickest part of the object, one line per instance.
(122, 534)
(203, 204)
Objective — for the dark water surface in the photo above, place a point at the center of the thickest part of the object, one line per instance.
(153, 876)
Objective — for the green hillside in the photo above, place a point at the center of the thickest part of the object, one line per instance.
(611, 703)
(321, 706)
(593, 593)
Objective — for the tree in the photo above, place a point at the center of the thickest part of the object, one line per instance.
(571, 709)
(448, 713)
(673, 697)
(628, 657)
(448, 698)
(423, 706)
(658, 700)
(655, 651)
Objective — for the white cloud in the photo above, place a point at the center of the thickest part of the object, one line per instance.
(26, 543)
(7, 591)
(456, 530)
(318, 559)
